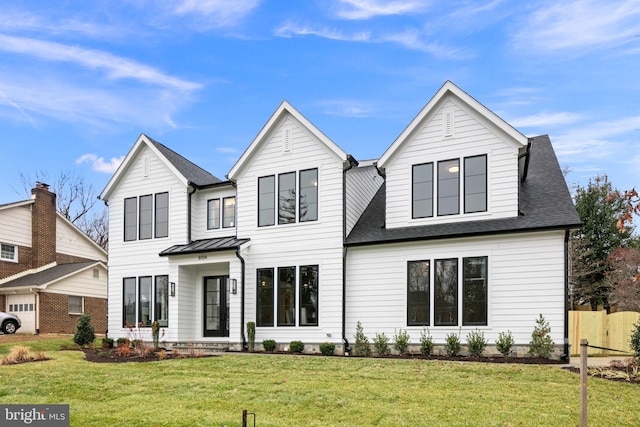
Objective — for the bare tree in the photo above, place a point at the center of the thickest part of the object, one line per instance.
(625, 279)
(77, 201)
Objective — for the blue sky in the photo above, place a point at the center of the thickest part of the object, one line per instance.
(79, 81)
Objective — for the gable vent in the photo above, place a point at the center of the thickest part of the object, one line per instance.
(287, 139)
(448, 123)
(145, 167)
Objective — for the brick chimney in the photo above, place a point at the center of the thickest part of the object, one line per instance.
(43, 226)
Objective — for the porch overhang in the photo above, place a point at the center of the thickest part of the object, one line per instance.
(205, 245)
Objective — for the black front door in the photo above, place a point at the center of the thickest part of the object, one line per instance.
(216, 306)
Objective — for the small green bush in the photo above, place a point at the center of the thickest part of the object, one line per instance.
(85, 333)
(476, 342)
(361, 346)
(541, 344)
(634, 341)
(505, 343)
(327, 348)
(121, 342)
(296, 346)
(269, 345)
(426, 343)
(155, 333)
(401, 341)
(381, 344)
(452, 344)
(107, 343)
(251, 333)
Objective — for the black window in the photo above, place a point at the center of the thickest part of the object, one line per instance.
(264, 306)
(286, 296)
(309, 295)
(229, 212)
(161, 299)
(475, 184)
(129, 302)
(162, 215)
(213, 214)
(449, 187)
(309, 195)
(418, 293)
(146, 216)
(144, 301)
(130, 219)
(266, 200)
(287, 198)
(445, 305)
(422, 190)
(474, 291)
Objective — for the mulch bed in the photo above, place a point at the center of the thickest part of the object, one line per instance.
(112, 356)
(620, 372)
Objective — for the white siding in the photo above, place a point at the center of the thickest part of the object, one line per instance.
(82, 284)
(199, 213)
(71, 241)
(362, 185)
(472, 135)
(140, 257)
(301, 243)
(526, 278)
(15, 226)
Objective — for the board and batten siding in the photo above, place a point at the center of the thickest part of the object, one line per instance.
(145, 174)
(15, 225)
(470, 137)
(300, 243)
(362, 184)
(525, 279)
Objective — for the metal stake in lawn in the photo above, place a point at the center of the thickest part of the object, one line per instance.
(245, 414)
(583, 382)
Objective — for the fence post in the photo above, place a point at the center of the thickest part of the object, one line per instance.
(583, 382)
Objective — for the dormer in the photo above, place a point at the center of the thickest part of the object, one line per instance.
(456, 161)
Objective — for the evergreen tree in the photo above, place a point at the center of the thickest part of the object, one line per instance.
(85, 333)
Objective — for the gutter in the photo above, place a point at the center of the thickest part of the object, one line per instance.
(352, 163)
(566, 356)
(245, 346)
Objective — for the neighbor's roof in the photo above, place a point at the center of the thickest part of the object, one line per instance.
(544, 204)
(48, 276)
(205, 245)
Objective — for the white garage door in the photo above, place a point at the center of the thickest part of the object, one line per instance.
(24, 306)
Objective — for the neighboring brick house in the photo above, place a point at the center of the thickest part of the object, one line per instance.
(50, 272)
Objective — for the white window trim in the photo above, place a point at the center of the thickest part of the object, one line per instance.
(15, 253)
(82, 305)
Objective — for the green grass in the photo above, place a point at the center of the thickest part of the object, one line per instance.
(314, 391)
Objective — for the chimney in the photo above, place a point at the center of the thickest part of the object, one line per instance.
(43, 226)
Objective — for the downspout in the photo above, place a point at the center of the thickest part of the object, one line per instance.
(352, 162)
(37, 310)
(245, 347)
(189, 194)
(566, 354)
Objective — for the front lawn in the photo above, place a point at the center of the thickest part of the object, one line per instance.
(314, 391)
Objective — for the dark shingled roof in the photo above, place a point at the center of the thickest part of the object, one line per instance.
(544, 204)
(194, 173)
(205, 245)
(48, 275)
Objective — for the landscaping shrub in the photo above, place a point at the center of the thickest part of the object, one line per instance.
(296, 346)
(107, 343)
(269, 345)
(381, 344)
(426, 343)
(327, 348)
(122, 342)
(401, 341)
(476, 342)
(452, 344)
(634, 341)
(505, 343)
(155, 333)
(361, 346)
(85, 333)
(541, 344)
(251, 333)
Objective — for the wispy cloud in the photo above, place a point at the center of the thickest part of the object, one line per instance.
(291, 29)
(366, 9)
(214, 13)
(546, 119)
(116, 67)
(98, 164)
(346, 108)
(580, 24)
(226, 150)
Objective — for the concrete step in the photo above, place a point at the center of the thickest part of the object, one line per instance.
(200, 347)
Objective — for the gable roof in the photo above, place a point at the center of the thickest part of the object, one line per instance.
(283, 109)
(46, 277)
(544, 204)
(449, 89)
(187, 172)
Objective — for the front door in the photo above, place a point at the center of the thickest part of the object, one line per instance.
(216, 306)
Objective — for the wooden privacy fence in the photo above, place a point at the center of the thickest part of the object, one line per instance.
(602, 330)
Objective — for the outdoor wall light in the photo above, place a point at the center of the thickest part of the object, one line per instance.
(234, 286)
(173, 289)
